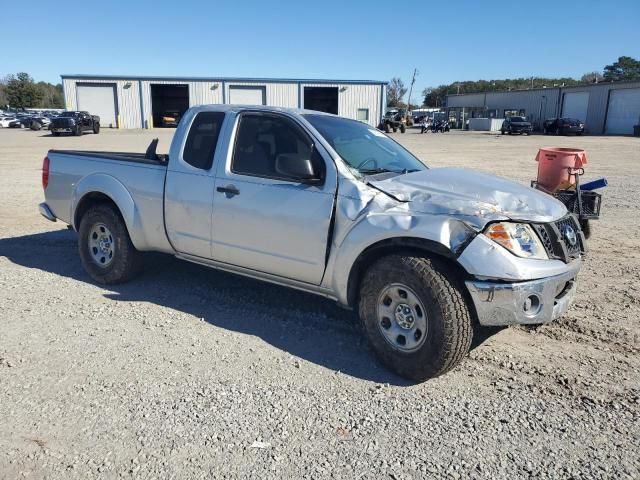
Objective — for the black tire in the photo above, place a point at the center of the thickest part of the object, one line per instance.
(387, 128)
(395, 129)
(403, 129)
(126, 261)
(558, 131)
(449, 325)
(55, 134)
(35, 126)
(579, 134)
(78, 131)
(502, 132)
(96, 128)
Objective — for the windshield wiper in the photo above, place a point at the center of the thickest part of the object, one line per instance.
(374, 171)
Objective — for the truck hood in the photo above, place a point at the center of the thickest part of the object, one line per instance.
(477, 197)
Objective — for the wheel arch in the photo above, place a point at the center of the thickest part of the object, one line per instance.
(100, 189)
(397, 245)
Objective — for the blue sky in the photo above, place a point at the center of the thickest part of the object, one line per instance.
(460, 40)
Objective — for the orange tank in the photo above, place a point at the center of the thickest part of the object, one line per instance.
(558, 167)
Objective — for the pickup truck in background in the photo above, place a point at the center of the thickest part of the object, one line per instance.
(334, 207)
(75, 123)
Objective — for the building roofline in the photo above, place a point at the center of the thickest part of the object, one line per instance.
(84, 76)
(582, 85)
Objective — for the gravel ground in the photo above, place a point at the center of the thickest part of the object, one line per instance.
(192, 373)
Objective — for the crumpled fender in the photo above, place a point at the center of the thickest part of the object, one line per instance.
(368, 217)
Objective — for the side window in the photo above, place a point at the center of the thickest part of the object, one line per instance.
(202, 139)
(261, 138)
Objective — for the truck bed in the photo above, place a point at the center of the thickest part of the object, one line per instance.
(161, 160)
(133, 181)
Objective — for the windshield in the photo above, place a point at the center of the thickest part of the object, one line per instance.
(69, 114)
(363, 148)
(518, 119)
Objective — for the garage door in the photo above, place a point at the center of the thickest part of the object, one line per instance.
(623, 112)
(247, 95)
(99, 100)
(575, 105)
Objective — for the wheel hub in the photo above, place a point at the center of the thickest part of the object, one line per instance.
(101, 247)
(402, 319)
(405, 316)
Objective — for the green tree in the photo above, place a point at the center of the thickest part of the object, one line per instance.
(52, 96)
(626, 68)
(592, 77)
(22, 92)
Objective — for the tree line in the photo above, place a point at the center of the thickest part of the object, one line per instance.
(624, 69)
(21, 91)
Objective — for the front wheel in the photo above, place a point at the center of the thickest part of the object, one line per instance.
(387, 128)
(96, 128)
(78, 131)
(415, 315)
(403, 129)
(105, 247)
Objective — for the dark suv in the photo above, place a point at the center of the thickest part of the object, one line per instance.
(563, 126)
(75, 123)
(516, 125)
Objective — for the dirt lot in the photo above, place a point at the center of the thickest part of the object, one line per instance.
(192, 373)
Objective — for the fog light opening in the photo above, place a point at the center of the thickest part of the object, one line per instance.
(532, 305)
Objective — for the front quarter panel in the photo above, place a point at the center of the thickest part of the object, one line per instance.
(365, 217)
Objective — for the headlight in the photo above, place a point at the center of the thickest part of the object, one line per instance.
(519, 238)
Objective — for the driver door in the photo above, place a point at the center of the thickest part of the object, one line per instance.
(262, 221)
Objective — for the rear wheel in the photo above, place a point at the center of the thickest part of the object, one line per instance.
(415, 315)
(403, 129)
(395, 129)
(106, 250)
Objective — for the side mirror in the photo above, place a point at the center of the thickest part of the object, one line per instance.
(289, 165)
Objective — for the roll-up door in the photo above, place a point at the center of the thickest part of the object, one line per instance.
(623, 112)
(99, 99)
(241, 95)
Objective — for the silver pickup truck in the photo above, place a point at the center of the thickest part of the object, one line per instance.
(334, 207)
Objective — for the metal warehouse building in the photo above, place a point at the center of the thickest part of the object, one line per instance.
(140, 102)
(605, 108)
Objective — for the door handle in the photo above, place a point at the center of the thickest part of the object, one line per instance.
(229, 191)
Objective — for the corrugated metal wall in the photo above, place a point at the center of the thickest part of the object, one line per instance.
(351, 97)
(547, 99)
(134, 96)
(128, 94)
(277, 94)
(200, 93)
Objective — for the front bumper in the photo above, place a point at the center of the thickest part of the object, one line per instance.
(524, 303)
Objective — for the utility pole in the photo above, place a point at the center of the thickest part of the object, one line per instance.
(413, 80)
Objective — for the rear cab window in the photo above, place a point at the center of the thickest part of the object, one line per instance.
(202, 139)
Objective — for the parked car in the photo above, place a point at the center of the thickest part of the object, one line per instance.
(563, 126)
(170, 118)
(516, 125)
(5, 122)
(75, 123)
(17, 122)
(39, 122)
(333, 207)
